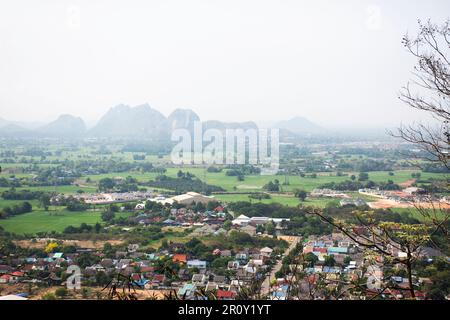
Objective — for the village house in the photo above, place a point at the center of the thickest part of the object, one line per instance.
(200, 264)
(181, 258)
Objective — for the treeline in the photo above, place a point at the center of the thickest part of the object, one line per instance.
(242, 170)
(129, 184)
(271, 210)
(15, 210)
(183, 184)
(39, 181)
(366, 165)
(13, 194)
(350, 185)
(73, 204)
(83, 228)
(89, 167)
(434, 168)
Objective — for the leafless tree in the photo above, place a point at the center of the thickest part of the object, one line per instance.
(431, 47)
(429, 91)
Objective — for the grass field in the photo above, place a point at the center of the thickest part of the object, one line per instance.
(250, 184)
(256, 182)
(413, 212)
(47, 221)
(282, 199)
(10, 203)
(69, 189)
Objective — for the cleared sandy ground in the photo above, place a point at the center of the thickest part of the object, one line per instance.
(386, 204)
(41, 243)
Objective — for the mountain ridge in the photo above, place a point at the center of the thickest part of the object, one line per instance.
(142, 121)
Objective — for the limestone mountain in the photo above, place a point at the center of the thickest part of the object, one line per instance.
(299, 125)
(65, 126)
(183, 119)
(123, 121)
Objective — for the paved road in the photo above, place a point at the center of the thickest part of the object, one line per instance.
(265, 287)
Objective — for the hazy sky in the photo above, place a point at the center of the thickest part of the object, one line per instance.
(334, 62)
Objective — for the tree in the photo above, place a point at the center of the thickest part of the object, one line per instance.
(44, 201)
(347, 260)
(270, 228)
(51, 247)
(431, 48)
(260, 229)
(227, 225)
(311, 259)
(273, 186)
(108, 216)
(108, 249)
(102, 279)
(329, 261)
(385, 239)
(363, 176)
(61, 292)
(301, 194)
(49, 296)
(106, 184)
(430, 92)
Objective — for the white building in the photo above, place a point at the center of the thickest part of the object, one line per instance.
(242, 220)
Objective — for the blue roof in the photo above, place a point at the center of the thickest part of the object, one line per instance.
(187, 289)
(278, 294)
(338, 249)
(22, 294)
(285, 287)
(331, 270)
(141, 282)
(196, 262)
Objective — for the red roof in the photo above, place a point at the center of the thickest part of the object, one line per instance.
(136, 277)
(179, 258)
(159, 277)
(419, 294)
(219, 209)
(147, 269)
(17, 274)
(321, 250)
(225, 294)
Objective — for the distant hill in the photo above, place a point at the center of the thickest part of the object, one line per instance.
(14, 131)
(123, 121)
(4, 122)
(145, 123)
(215, 124)
(182, 119)
(65, 126)
(299, 125)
